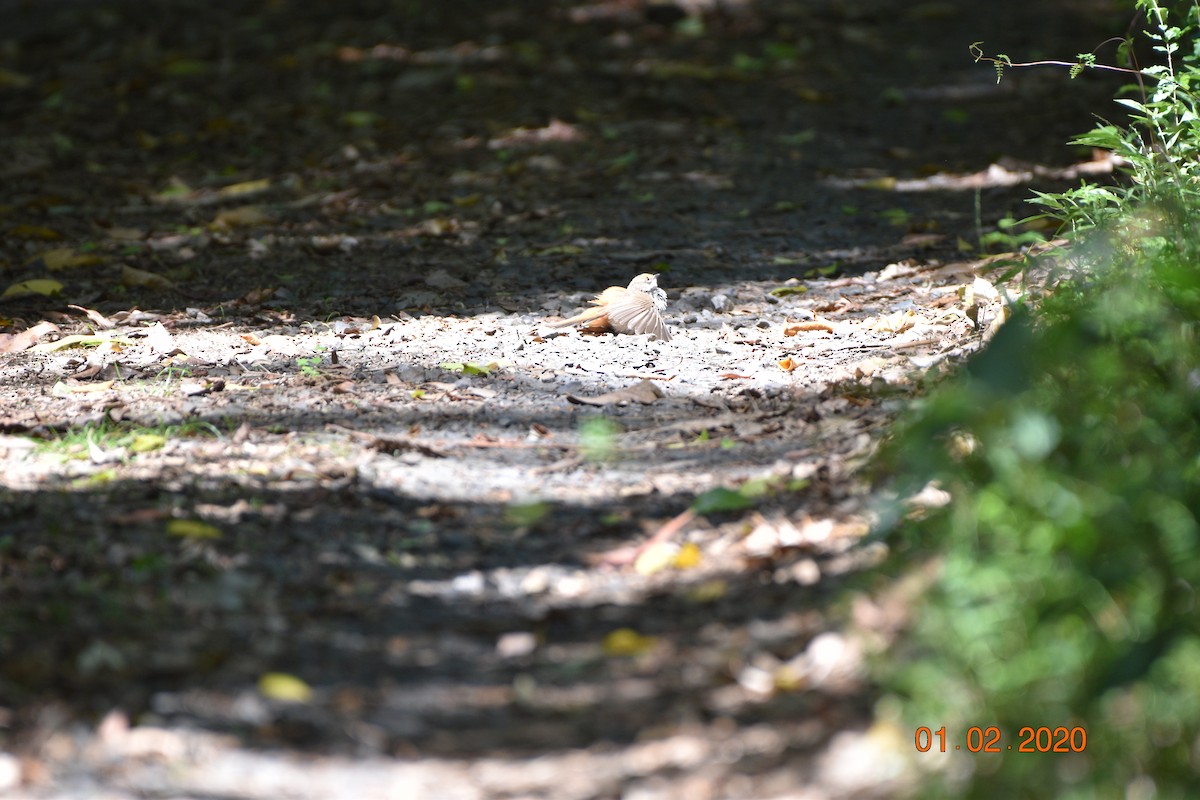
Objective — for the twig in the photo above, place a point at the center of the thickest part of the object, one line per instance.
(624, 556)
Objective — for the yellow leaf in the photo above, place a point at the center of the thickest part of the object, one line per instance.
(43, 286)
(884, 184)
(14, 80)
(688, 557)
(244, 188)
(81, 339)
(788, 364)
(131, 276)
(283, 687)
(240, 217)
(627, 642)
(145, 442)
(654, 559)
(192, 529)
(66, 258)
(34, 232)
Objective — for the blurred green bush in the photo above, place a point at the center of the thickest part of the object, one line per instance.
(1069, 560)
(1067, 565)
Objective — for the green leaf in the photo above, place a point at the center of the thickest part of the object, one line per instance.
(721, 499)
(469, 367)
(788, 291)
(192, 529)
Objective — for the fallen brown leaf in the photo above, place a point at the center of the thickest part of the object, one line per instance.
(644, 392)
(102, 322)
(792, 330)
(241, 217)
(16, 342)
(131, 276)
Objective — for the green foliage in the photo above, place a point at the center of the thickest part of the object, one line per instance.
(598, 439)
(78, 441)
(1160, 148)
(1083, 61)
(722, 499)
(1065, 571)
(1070, 557)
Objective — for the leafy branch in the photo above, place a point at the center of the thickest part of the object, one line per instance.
(1082, 61)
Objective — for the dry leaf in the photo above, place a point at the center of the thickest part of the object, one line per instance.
(922, 240)
(655, 558)
(126, 234)
(644, 392)
(16, 342)
(900, 269)
(437, 226)
(240, 217)
(441, 279)
(102, 322)
(816, 325)
(256, 297)
(34, 232)
(14, 80)
(98, 455)
(898, 322)
(66, 258)
(984, 290)
(283, 345)
(868, 367)
(67, 389)
(788, 364)
(130, 276)
(244, 188)
(159, 339)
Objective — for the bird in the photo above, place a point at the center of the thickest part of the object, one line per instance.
(636, 308)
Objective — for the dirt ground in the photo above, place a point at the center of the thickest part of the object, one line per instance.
(318, 506)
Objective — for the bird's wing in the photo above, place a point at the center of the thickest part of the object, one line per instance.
(635, 313)
(600, 305)
(587, 315)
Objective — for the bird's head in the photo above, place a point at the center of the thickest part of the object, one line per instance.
(646, 282)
